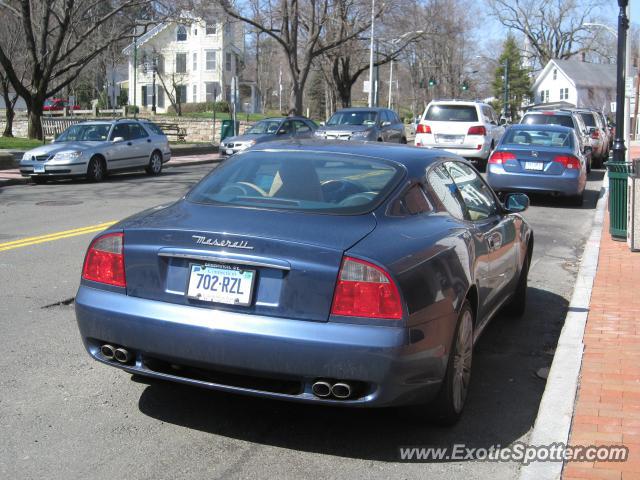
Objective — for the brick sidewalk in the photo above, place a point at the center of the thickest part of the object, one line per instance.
(607, 410)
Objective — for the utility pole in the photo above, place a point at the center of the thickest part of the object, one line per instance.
(153, 86)
(373, 19)
(505, 110)
(390, 83)
(135, 70)
(634, 122)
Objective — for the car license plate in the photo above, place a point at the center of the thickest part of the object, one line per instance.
(457, 139)
(229, 151)
(533, 165)
(221, 284)
(38, 168)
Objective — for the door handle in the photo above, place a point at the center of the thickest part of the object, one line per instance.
(148, 140)
(129, 143)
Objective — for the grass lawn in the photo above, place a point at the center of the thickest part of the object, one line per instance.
(19, 143)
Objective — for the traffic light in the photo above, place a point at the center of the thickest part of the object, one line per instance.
(432, 82)
(465, 86)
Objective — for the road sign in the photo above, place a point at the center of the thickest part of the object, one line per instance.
(613, 107)
(366, 86)
(629, 87)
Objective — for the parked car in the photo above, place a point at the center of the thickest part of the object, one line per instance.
(331, 273)
(368, 124)
(597, 135)
(97, 148)
(267, 130)
(57, 104)
(414, 124)
(540, 158)
(565, 118)
(469, 129)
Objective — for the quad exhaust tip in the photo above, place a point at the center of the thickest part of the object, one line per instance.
(119, 354)
(323, 389)
(107, 351)
(341, 390)
(122, 355)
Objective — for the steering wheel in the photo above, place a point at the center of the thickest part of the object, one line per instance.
(357, 199)
(245, 189)
(337, 190)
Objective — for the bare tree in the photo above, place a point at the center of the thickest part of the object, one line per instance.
(298, 29)
(11, 41)
(61, 38)
(554, 28)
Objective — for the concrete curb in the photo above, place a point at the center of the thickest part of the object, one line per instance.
(553, 423)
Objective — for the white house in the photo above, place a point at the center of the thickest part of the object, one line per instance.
(194, 60)
(577, 84)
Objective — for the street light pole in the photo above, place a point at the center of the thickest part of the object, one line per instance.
(505, 110)
(623, 24)
(373, 19)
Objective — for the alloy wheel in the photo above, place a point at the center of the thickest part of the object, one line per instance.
(462, 361)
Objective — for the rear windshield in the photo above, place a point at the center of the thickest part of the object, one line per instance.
(538, 138)
(311, 182)
(545, 119)
(452, 113)
(153, 128)
(588, 119)
(265, 126)
(353, 118)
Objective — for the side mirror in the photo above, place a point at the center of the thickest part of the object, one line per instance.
(587, 150)
(281, 132)
(385, 123)
(117, 139)
(516, 202)
(322, 124)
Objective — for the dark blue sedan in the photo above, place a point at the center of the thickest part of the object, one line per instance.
(356, 275)
(540, 159)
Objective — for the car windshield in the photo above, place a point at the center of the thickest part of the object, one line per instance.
(548, 119)
(452, 113)
(538, 138)
(588, 119)
(300, 181)
(265, 126)
(87, 133)
(353, 118)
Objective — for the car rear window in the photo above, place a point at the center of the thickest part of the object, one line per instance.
(588, 119)
(537, 138)
(153, 128)
(303, 181)
(452, 113)
(546, 119)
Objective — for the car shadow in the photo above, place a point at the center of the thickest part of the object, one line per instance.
(591, 196)
(501, 407)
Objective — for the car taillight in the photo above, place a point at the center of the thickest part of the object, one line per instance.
(365, 290)
(477, 130)
(568, 161)
(423, 128)
(104, 262)
(595, 134)
(501, 157)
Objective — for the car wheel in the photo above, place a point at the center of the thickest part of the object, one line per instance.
(155, 164)
(518, 303)
(448, 405)
(39, 180)
(95, 170)
(403, 141)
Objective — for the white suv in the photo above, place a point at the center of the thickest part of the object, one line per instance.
(469, 129)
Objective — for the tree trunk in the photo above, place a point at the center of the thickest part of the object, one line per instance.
(35, 121)
(295, 99)
(9, 116)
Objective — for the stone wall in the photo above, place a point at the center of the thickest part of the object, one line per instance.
(198, 129)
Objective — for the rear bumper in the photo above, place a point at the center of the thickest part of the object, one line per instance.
(471, 153)
(381, 359)
(570, 183)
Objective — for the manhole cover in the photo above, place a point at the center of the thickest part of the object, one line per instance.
(59, 203)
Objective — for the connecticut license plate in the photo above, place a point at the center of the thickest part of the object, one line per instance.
(456, 139)
(221, 284)
(229, 151)
(533, 165)
(38, 168)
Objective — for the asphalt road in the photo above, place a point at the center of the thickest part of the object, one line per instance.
(63, 415)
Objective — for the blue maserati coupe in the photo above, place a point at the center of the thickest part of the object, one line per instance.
(344, 274)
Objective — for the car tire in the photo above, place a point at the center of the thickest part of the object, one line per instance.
(403, 141)
(96, 171)
(39, 180)
(155, 164)
(518, 303)
(448, 405)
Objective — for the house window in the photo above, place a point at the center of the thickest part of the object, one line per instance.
(555, 73)
(144, 95)
(544, 96)
(210, 60)
(181, 34)
(149, 92)
(211, 28)
(195, 61)
(228, 62)
(181, 62)
(211, 91)
(181, 93)
(195, 94)
(564, 94)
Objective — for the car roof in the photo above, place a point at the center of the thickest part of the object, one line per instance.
(413, 158)
(550, 112)
(457, 102)
(551, 127)
(361, 109)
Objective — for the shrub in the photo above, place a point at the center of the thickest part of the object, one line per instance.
(131, 110)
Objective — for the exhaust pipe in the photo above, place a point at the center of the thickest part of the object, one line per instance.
(341, 390)
(107, 351)
(122, 355)
(321, 389)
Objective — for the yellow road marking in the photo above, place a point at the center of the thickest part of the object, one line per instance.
(25, 242)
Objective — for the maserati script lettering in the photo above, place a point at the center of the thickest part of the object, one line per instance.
(214, 242)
